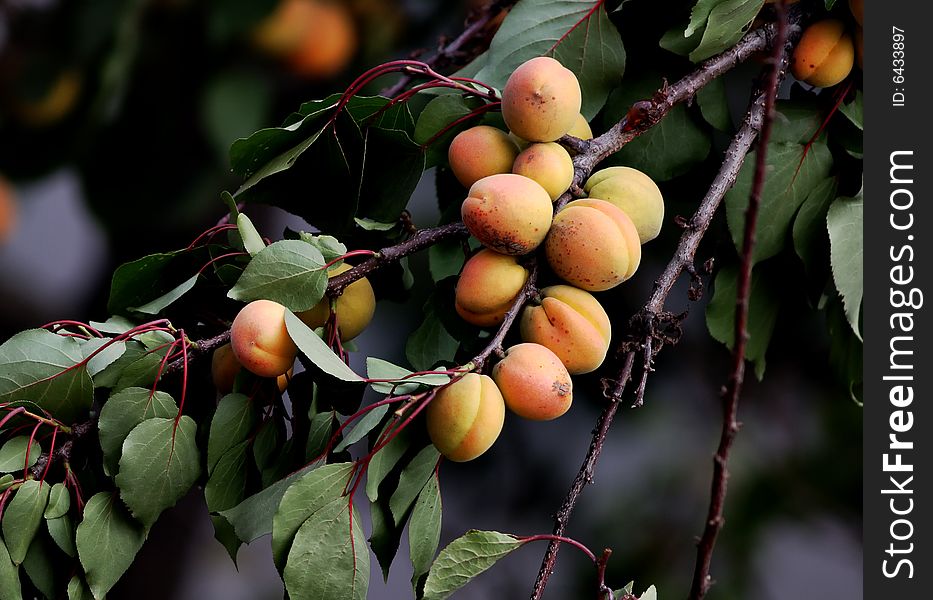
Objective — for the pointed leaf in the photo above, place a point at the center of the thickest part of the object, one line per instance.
(154, 307)
(252, 241)
(62, 532)
(424, 529)
(59, 502)
(845, 223)
(465, 558)
(22, 517)
(412, 480)
(13, 454)
(290, 272)
(233, 421)
(9, 576)
(252, 518)
(314, 348)
(107, 540)
(226, 484)
(123, 411)
(383, 461)
(367, 423)
(78, 590)
(400, 380)
(160, 463)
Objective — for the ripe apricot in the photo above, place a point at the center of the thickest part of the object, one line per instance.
(593, 245)
(534, 382)
(355, 307)
(480, 152)
(572, 324)
(487, 287)
(635, 193)
(8, 210)
(225, 368)
(466, 417)
(508, 213)
(825, 54)
(547, 163)
(260, 340)
(581, 128)
(541, 100)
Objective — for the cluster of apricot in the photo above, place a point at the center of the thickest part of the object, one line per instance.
(826, 51)
(593, 244)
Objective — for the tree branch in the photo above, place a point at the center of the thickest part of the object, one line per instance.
(714, 520)
(63, 452)
(651, 314)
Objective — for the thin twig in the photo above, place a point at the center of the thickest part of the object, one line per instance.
(714, 519)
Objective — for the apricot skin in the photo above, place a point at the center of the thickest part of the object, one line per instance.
(541, 100)
(355, 307)
(260, 340)
(825, 54)
(225, 367)
(534, 382)
(635, 193)
(572, 324)
(508, 213)
(581, 128)
(547, 163)
(466, 417)
(480, 152)
(593, 245)
(487, 287)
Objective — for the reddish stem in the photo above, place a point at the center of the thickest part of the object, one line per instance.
(479, 110)
(349, 255)
(32, 439)
(48, 463)
(560, 539)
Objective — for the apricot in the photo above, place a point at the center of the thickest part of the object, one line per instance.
(480, 152)
(466, 417)
(260, 340)
(857, 7)
(581, 128)
(487, 287)
(225, 368)
(541, 100)
(593, 245)
(8, 210)
(572, 324)
(635, 193)
(355, 307)
(825, 54)
(508, 213)
(534, 382)
(547, 163)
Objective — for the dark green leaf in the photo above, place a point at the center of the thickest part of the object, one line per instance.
(412, 480)
(319, 433)
(367, 423)
(9, 576)
(386, 536)
(727, 22)
(107, 540)
(227, 482)
(39, 566)
(329, 559)
(845, 223)
(156, 306)
(845, 350)
(105, 352)
(123, 411)
(431, 343)
(226, 535)
(440, 113)
(853, 110)
(22, 517)
(714, 105)
(383, 461)
(42, 367)
(160, 463)
(252, 518)
(62, 532)
(59, 502)
(397, 380)
(810, 236)
(445, 260)
(465, 558)
(6, 481)
(424, 530)
(392, 168)
(233, 421)
(13, 454)
(314, 348)
(301, 500)
(290, 272)
(78, 590)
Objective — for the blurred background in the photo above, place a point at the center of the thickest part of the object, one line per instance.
(116, 117)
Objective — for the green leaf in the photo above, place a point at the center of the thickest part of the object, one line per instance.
(38, 565)
(301, 500)
(107, 540)
(6, 481)
(578, 33)
(785, 187)
(445, 260)
(41, 367)
(233, 421)
(227, 482)
(392, 167)
(290, 272)
(9, 576)
(226, 535)
(13, 454)
(156, 306)
(431, 343)
(107, 352)
(853, 110)
(845, 350)
(385, 537)
(62, 532)
(714, 105)
(160, 463)
(78, 590)
(281, 162)
(675, 41)
(329, 246)
(670, 148)
(252, 518)
(465, 558)
(424, 530)
(398, 380)
(845, 223)
(314, 348)
(809, 232)
(728, 21)
(367, 423)
(319, 433)
(650, 594)
(22, 517)
(762, 314)
(135, 283)
(384, 461)
(329, 558)
(413, 478)
(252, 241)
(59, 502)
(234, 103)
(370, 225)
(123, 411)
(440, 113)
